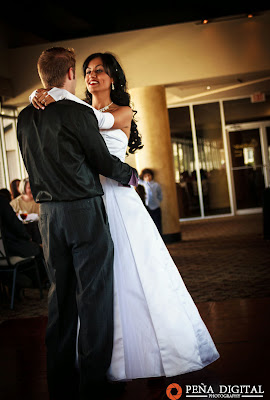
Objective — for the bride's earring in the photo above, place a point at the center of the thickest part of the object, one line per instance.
(113, 86)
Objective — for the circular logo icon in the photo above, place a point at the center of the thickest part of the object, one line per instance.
(174, 391)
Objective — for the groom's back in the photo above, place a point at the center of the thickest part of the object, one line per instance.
(53, 153)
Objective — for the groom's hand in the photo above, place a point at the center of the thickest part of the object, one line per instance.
(42, 99)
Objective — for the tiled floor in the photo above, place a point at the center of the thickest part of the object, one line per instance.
(240, 327)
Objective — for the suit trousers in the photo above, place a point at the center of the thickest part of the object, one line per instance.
(78, 250)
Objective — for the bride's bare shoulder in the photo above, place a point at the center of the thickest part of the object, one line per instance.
(122, 118)
(124, 111)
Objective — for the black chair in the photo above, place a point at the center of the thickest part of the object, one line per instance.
(13, 264)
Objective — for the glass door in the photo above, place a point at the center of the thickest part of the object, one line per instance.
(247, 166)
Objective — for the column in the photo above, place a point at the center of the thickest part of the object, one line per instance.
(153, 124)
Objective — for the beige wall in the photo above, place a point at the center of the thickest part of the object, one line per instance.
(163, 55)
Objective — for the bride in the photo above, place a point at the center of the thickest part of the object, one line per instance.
(157, 328)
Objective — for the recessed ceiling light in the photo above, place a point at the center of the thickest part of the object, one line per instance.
(208, 87)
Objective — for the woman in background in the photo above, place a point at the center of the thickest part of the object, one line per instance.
(14, 188)
(25, 202)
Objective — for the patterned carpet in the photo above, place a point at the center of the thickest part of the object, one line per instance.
(218, 259)
(224, 258)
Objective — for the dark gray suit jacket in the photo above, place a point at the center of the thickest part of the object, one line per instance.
(64, 152)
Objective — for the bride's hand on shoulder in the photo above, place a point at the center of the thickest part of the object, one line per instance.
(42, 99)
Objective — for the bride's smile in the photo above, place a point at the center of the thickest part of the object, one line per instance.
(96, 78)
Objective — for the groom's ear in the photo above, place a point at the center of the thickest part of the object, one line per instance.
(71, 73)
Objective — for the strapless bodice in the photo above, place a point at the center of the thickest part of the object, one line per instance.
(116, 141)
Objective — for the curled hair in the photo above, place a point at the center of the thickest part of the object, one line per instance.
(119, 95)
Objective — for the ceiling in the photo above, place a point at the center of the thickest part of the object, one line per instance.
(218, 88)
(27, 23)
(24, 24)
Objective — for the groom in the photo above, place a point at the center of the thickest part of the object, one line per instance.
(64, 154)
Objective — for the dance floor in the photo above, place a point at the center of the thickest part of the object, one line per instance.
(240, 325)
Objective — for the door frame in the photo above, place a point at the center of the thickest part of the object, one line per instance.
(261, 126)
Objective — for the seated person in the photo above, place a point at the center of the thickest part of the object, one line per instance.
(18, 243)
(14, 188)
(25, 201)
(5, 193)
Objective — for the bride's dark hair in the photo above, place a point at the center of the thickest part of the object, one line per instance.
(119, 95)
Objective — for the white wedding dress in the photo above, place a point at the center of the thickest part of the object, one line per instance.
(157, 328)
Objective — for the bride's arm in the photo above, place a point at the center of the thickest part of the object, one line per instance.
(38, 97)
(118, 119)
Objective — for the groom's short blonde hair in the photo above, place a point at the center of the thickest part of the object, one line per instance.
(53, 65)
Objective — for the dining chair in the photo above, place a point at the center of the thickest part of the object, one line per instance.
(13, 264)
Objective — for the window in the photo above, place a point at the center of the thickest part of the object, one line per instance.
(11, 164)
(184, 163)
(211, 159)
